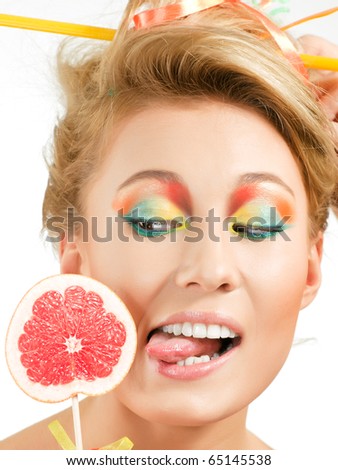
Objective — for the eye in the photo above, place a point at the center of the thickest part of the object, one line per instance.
(154, 227)
(256, 232)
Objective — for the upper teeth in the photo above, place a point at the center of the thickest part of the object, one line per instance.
(199, 330)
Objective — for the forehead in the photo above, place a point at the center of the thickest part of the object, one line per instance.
(210, 144)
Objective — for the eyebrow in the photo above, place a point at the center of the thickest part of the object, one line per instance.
(173, 177)
(254, 178)
(163, 176)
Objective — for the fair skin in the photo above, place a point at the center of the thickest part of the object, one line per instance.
(256, 288)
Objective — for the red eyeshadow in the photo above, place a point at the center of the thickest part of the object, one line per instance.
(175, 192)
(247, 193)
(179, 195)
(241, 196)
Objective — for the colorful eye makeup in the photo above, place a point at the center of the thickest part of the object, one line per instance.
(259, 212)
(174, 192)
(154, 208)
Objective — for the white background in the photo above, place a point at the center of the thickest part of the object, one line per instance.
(299, 410)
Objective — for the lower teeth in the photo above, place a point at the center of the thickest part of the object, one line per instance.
(227, 345)
(196, 360)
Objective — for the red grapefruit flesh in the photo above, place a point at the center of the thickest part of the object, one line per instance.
(70, 334)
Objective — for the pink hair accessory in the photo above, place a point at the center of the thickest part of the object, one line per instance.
(156, 16)
(184, 8)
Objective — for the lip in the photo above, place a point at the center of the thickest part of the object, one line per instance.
(206, 317)
(199, 370)
(195, 371)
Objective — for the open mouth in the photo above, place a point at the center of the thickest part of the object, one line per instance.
(189, 344)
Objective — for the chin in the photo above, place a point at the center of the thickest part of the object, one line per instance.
(184, 417)
(177, 412)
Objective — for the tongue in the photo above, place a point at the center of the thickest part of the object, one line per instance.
(169, 348)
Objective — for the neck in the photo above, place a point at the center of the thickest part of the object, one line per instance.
(107, 420)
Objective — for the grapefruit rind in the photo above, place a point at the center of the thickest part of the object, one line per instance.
(57, 393)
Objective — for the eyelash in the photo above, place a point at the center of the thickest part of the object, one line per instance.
(134, 222)
(254, 232)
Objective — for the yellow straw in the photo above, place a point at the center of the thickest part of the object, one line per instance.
(35, 24)
(94, 32)
(319, 62)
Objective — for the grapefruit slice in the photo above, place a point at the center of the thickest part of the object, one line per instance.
(70, 334)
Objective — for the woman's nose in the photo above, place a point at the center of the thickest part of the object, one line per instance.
(209, 262)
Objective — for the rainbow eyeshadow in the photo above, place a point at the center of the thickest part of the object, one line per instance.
(259, 212)
(165, 203)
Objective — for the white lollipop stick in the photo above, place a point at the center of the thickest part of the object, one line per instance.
(77, 422)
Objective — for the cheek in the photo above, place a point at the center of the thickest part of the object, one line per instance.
(276, 295)
(281, 288)
(135, 269)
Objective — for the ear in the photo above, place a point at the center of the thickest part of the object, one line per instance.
(314, 276)
(71, 261)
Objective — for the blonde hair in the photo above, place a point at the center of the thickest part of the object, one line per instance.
(221, 53)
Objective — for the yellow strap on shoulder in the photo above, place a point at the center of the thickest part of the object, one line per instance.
(121, 444)
(61, 436)
(66, 443)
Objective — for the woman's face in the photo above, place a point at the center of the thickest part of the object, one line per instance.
(243, 266)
